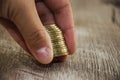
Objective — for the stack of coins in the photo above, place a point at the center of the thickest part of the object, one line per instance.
(57, 39)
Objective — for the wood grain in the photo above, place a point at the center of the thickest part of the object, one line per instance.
(98, 50)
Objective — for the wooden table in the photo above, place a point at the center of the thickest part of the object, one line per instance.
(98, 51)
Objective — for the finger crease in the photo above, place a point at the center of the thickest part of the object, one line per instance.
(67, 29)
(59, 10)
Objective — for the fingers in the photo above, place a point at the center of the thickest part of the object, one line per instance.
(64, 19)
(47, 18)
(37, 39)
(45, 14)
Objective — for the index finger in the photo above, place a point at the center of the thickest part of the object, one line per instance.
(63, 15)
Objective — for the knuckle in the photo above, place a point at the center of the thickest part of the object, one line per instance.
(60, 9)
(36, 39)
(65, 30)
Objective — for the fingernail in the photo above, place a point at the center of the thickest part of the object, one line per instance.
(44, 55)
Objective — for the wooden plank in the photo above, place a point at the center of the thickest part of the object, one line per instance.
(97, 56)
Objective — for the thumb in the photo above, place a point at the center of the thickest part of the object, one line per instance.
(37, 39)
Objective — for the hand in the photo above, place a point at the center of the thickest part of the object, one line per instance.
(24, 20)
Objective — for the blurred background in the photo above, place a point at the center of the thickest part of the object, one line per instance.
(96, 11)
(97, 24)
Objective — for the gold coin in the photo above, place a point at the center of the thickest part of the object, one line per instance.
(57, 39)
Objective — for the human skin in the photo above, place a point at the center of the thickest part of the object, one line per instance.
(25, 20)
